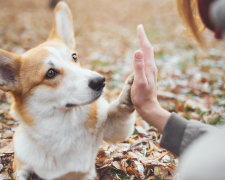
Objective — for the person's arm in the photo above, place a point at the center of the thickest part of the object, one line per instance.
(178, 133)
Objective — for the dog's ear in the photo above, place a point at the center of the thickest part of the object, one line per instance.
(63, 25)
(9, 70)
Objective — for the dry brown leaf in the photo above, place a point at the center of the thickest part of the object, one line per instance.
(8, 149)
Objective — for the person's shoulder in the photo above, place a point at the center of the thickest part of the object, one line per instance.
(205, 154)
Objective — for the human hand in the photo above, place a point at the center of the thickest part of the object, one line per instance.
(144, 88)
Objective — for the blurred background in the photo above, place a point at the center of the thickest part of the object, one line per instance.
(190, 80)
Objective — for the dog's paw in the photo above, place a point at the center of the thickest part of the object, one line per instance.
(31, 176)
(125, 98)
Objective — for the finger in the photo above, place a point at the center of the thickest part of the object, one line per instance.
(139, 68)
(150, 67)
(145, 46)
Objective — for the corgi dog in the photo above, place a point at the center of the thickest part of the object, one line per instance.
(63, 117)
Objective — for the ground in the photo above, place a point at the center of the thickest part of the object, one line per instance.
(190, 79)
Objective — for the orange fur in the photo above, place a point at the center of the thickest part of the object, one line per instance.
(32, 75)
(20, 107)
(72, 176)
(30, 66)
(17, 164)
(92, 119)
(32, 69)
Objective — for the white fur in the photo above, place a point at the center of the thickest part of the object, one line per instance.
(60, 142)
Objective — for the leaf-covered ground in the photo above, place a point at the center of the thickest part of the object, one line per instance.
(190, 80)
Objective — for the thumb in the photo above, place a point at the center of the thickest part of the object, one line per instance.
(139, 67)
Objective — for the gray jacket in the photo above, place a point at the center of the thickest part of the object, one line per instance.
(202, 148)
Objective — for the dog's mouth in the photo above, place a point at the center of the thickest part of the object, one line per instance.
(71, 105)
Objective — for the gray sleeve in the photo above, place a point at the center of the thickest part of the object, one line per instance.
(179, 133)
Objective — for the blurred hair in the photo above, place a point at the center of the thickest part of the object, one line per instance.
(188, 10)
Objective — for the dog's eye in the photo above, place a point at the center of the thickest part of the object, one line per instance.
(51, 73)
(74, 56)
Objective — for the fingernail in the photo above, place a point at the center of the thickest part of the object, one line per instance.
(140, 26)
(138, 55)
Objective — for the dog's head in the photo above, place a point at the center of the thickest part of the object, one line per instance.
(50, 74)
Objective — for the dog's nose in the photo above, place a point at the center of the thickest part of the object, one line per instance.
(97, 84)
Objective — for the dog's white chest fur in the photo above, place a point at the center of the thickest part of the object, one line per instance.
(62, 143)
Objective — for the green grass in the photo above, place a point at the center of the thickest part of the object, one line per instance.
(219, 120)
